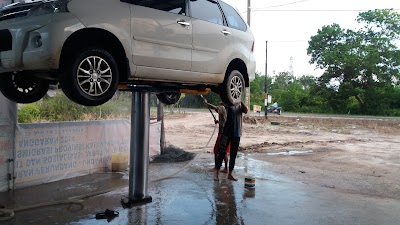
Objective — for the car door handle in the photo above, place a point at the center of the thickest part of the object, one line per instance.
(183, 23)
(225, 32)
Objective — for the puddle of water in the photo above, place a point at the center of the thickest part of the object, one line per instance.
(290, 152)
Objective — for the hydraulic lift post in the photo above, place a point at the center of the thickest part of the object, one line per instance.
(139, 149)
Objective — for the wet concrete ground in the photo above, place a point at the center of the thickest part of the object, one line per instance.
(192, 197)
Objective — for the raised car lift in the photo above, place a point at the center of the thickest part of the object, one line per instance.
(139, 146)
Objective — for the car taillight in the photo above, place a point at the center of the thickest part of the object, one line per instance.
(252, 47)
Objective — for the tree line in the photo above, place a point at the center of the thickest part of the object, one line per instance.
(308, 94)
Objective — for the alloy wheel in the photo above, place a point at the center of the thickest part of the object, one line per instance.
(94, 76)
(236, 88)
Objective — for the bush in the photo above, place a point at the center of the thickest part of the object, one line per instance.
(60, 108)
(392, 112)
(29, 113)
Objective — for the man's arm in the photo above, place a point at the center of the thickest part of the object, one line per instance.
(244, 107)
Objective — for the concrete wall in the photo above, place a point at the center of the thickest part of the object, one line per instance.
(8, 112)
(49, 152)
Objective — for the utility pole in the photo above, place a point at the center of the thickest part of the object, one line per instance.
(248, 12)
(291, 66)
(266, 74)
(248, 22)
(160, 117)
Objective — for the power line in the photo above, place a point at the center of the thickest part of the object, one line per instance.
(286, 41)
(274, 6)
(285, 4)
(268, 8)
(313, 10)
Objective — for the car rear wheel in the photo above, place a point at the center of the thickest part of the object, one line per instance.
(169, 98)
(92, 78)
(233, 90)
(23, 88)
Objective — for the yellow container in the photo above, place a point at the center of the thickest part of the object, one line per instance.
(119, 162)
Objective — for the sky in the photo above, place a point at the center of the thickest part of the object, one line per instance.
(287, 25)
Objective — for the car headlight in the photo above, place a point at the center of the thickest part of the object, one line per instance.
(36, 40)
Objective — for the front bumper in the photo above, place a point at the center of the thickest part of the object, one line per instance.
(25, 45)
(36, 42)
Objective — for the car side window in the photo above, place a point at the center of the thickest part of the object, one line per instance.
(172, 6)
(206, 10)
(234, 19)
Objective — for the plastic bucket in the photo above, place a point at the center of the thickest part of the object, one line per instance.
(249, 181)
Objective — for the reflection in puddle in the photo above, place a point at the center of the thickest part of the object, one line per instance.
(290, 152)
(249, 193)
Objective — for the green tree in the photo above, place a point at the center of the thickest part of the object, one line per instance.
(280, 90)
(307, 81)
(363, 62)
(282, 80)
(257, 89)
(292, 95)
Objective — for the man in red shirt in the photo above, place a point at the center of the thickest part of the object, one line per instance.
(221, 110)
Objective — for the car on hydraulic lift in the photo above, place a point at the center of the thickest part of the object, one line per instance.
(92, 48)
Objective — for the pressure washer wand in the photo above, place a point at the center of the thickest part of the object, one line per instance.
(215, 119)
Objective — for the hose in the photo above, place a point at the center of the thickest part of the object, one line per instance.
(215, 119)
(7, 214)
(212, 135)
(190, 162)
(215, 125)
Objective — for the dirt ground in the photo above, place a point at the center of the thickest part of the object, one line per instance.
(353, 155)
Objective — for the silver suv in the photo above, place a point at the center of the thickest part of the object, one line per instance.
(92, 48)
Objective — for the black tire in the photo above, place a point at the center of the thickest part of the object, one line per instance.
(169, 98)
(233, 89)
(23, 87)
(88, 83)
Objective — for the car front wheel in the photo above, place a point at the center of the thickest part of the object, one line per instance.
(23, 88)
(234, 87)
(92, 78)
